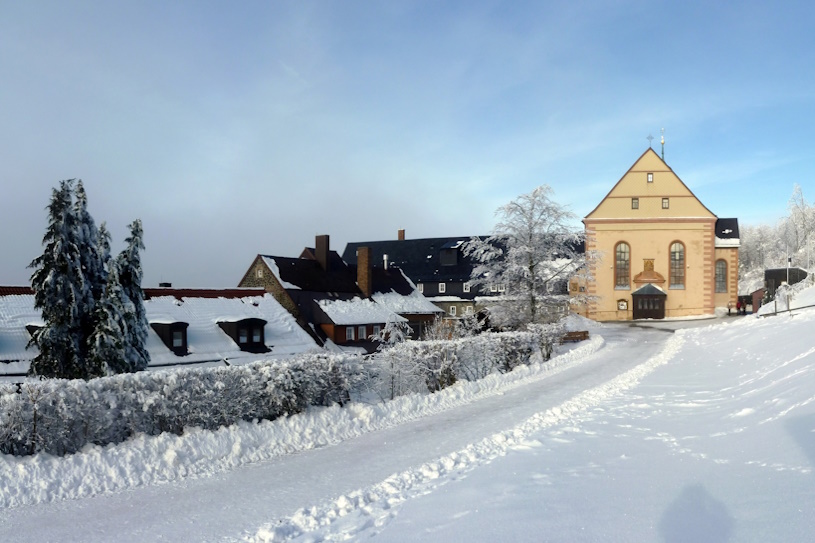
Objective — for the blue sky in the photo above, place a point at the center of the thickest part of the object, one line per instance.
(237, 128)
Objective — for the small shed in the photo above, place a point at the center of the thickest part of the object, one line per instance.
(774, 278)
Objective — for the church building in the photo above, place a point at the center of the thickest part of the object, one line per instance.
(659, 252)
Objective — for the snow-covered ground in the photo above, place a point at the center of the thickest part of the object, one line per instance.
(706, 434)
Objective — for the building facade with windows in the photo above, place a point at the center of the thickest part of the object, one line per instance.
(659, 251)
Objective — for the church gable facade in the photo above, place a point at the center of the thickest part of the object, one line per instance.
(660, 251)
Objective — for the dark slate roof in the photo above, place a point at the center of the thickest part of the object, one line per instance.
(649, 290)
(727, 228)
(308, 275)
(420, 259)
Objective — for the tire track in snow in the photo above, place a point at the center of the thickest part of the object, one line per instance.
(372, 507)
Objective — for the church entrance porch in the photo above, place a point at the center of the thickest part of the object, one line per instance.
(649, 302)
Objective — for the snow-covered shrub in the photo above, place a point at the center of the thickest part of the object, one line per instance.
(61, 416)
(421, 366)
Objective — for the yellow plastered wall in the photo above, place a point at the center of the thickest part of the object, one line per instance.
(652, 240)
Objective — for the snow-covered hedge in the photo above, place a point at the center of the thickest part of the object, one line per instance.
(416, 366)
(62, 416)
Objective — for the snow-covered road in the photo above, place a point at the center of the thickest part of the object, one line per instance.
(237, 503)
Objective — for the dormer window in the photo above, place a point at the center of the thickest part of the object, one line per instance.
(173, 335)
(466, 287)
(650, 177)
(248, 334)
(448, 257)
(442, 288)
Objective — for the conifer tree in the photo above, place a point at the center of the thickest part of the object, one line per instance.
(135, 316)
(92, 266)
(58, 283)
(106, 353)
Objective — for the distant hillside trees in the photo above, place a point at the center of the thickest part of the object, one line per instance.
(766, 246)
(94, 320)
(528, 259)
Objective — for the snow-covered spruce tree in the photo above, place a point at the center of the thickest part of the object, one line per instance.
(61, 293)
(135, 316)
(94, 274)
(106, 353)
(530, 256)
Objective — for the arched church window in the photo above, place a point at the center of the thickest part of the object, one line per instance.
(677, 265)
(622, 265)
(721, 276)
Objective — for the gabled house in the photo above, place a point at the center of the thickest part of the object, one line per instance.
(661, 252)
(337, 303)
(201, 327)
(437, 266)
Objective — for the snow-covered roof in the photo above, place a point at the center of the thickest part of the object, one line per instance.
(272, 265)
(358, 311)
(205, 339)
(447, 299)
(411, 304)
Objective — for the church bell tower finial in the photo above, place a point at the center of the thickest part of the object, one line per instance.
(662, 141)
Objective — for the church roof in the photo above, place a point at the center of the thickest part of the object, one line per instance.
(727, 228)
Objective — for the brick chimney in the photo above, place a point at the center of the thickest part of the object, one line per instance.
(364, 275)
(321, 250)
(400, 235)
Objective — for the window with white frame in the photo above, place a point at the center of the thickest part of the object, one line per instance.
(442, 288)
(650, 177)
(501, 288)
(452, 311)
(349, 333)
(377, 329)
(259, 272)
(466, 287)
(362, 332)
(493, 287)
(420, 287)
(468, 310)
(666, 203)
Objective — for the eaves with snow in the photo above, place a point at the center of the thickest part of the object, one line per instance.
(358, 311)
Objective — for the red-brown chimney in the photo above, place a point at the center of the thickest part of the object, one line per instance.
(401, 234)
(321, 249)
(364, 276)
